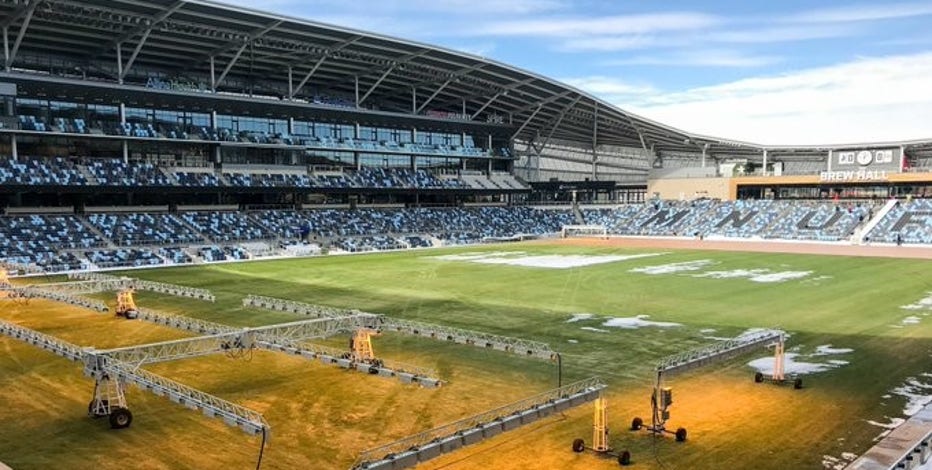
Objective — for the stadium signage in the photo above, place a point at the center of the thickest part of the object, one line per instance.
(853, 175)
(175, 85)
(447, 115)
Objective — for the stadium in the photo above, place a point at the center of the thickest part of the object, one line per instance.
(256, 240)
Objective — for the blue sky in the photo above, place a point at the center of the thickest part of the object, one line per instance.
(777, 72)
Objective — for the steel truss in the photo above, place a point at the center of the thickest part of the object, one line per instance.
(111, 374)
(425, 445)
(662, 397)
(58, 295)
(300, 347)
(108, 282)
(427, 330)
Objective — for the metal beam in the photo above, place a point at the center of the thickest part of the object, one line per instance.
(229, 66)
(18, 13)
(152, 22)
(528, 121)
(320, 62)
(485, 105)
(376, 84)
(132, 58)
(433, 95)
(559, 120)
(22, 32)
(252, 36)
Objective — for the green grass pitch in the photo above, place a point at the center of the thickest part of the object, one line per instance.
(323, 417)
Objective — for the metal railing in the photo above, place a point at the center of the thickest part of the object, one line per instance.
(434, 435)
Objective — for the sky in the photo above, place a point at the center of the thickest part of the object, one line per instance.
(770, 72)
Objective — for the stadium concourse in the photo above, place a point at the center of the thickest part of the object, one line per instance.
(64, 242)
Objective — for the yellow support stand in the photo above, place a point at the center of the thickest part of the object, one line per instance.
(361, 345)
(600, 425)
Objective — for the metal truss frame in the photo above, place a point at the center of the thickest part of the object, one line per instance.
(444, 333)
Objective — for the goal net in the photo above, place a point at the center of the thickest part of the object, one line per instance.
(570, 231)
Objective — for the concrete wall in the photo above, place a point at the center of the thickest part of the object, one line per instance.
(690, 188)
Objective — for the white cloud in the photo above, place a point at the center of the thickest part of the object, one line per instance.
(863, 12)
(698, 58)
(311, 8)
(869, 99)
(608, 25)
(611, 43)
(771, 34)
(611, 89)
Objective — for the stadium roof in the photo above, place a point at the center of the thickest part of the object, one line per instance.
(197, 36)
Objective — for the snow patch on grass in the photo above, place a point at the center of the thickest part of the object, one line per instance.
(735, 273)
(918, 395)
(520, 258)
(674, 268)
(580, 317)
(911, 320)
(589, 328)
(827, 349)
(781, 276)
(894, 422)
(921, 304)
(640, 321)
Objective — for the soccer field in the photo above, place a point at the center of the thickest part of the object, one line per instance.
(858, 326)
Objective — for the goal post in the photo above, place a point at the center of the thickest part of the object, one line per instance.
(570, 231)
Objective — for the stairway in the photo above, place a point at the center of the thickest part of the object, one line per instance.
(91, 179)
(91, 228)
(859, 235)
(191, 226)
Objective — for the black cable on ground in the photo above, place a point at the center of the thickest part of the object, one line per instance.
(261, 449)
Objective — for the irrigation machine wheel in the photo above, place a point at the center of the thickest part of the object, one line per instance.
(636, 424)
(624, 458)
(579, 445)
(120, 418)
(681, 435)
(758, 377)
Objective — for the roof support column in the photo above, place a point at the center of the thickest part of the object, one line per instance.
(485, 105)
(229, 66)
(432, 96)
(6, 48)
(119, 51)
(902, 157)
(559, 120)
(290, 84)
(356, 82)
(213, 75)
(413, 100)
(132, 58)
(528, 121)
(595, 137)
(307, 77)
(11, 56)
(831, 155)
(764, 166)
(705, 153)
(374, 85)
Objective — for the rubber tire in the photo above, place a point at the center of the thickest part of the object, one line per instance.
(624, 458)
(798, 384)
(90, 409)
(579, 445)
(681, 435)
(636, 424)
(120, 418)
(758, 378)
